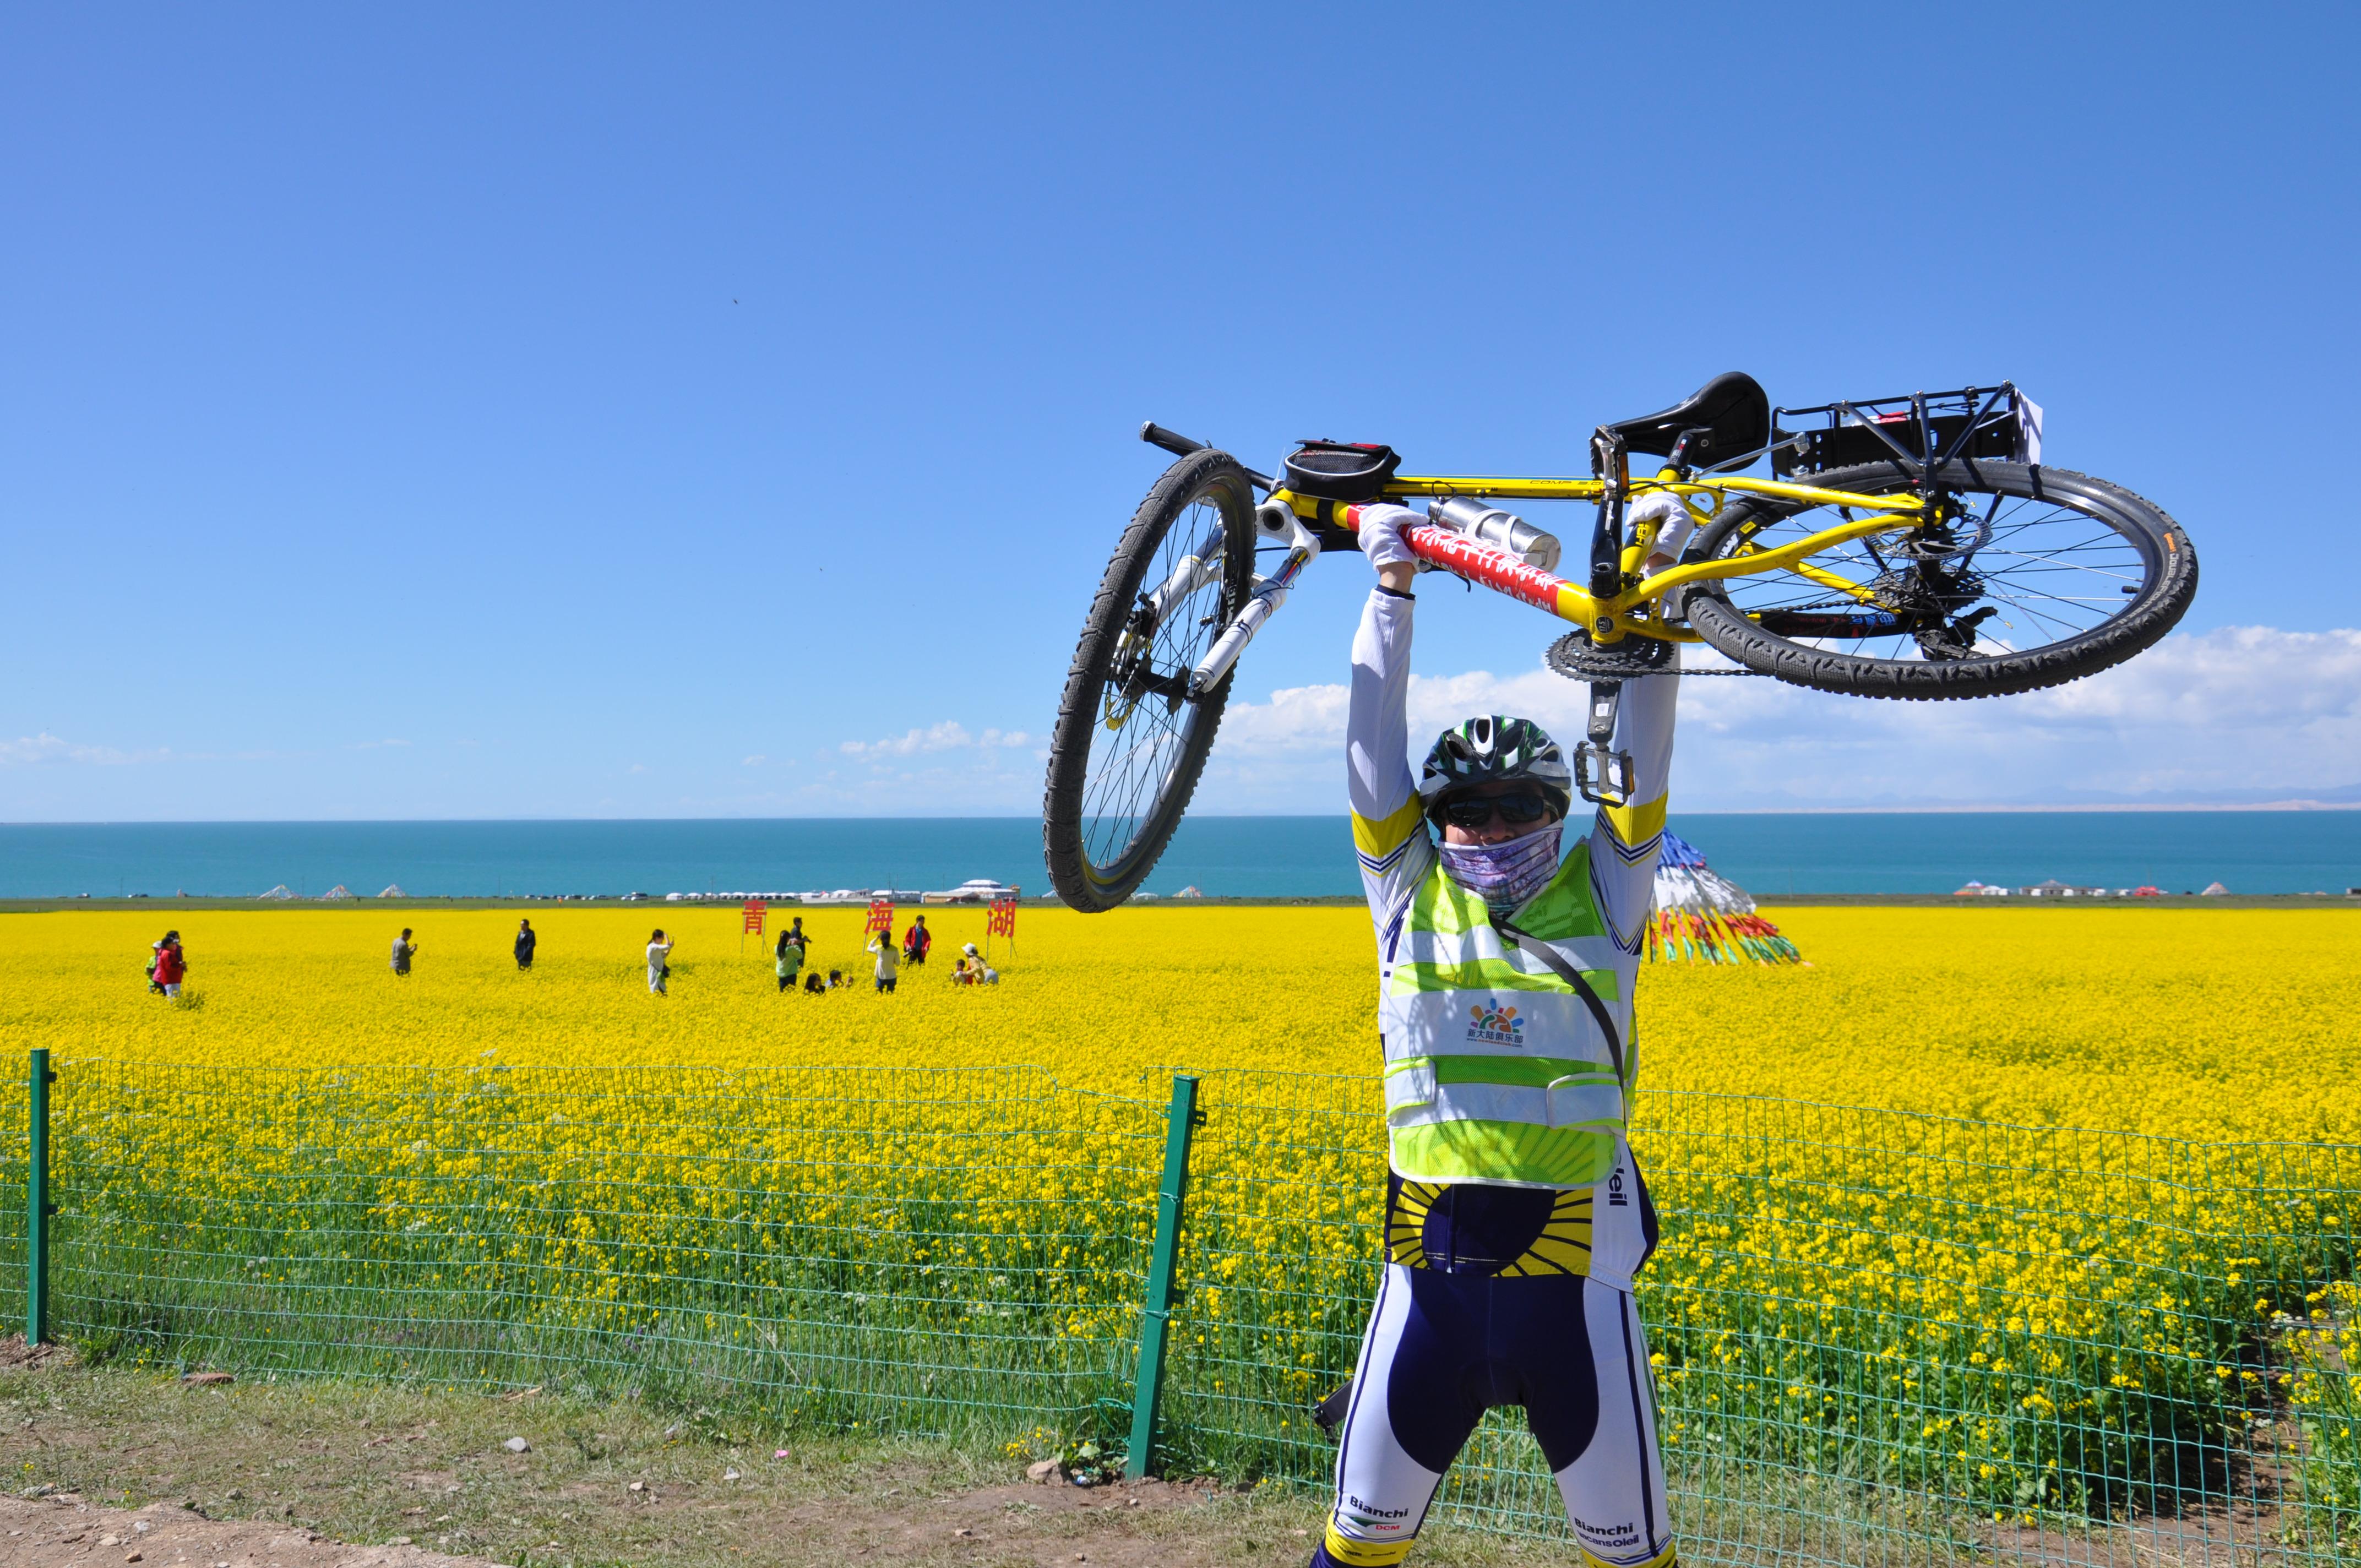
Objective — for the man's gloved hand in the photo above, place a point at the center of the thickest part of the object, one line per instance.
(1381, 540)
(1675, 522)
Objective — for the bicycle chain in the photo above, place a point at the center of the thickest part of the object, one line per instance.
(1573, 657)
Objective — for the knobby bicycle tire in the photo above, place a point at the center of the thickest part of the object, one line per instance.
(2168, 583)
(1097, 856)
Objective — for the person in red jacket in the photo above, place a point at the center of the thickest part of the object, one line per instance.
(172, 965)
(916, 942)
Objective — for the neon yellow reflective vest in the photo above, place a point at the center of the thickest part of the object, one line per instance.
(1496, 1071)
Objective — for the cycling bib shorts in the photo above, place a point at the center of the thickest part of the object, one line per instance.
(1443, 1348)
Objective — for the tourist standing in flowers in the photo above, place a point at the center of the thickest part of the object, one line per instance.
(525, 942)
(1515, 1216)
(170, 968)
(404, 949)
(882, 945)
(915, 945)
(659, 962)
(788, 958)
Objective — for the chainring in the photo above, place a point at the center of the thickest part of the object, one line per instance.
(1577, 658)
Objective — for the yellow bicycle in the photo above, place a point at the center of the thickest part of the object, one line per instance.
(1911, 547)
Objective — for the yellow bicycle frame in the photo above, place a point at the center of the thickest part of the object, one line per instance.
(1607, 621)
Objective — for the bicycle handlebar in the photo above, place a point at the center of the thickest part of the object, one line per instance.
(1179, 445)
(1171, 441)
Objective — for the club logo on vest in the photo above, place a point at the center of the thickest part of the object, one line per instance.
(1492, 1025)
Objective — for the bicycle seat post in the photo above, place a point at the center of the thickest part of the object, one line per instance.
(1610, 460)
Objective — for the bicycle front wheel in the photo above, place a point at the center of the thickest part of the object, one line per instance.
(1131, 740)
(2013, 578)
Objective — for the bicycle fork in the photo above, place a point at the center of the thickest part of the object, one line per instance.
(1276, 519)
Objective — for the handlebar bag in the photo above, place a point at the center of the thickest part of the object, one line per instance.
(1351, 472)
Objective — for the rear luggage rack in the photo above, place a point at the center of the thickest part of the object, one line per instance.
(1922, 431)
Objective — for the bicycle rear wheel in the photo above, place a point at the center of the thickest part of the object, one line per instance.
(1130, 740)
(2024, 577)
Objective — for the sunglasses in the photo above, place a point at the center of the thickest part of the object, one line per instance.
(1520, 810)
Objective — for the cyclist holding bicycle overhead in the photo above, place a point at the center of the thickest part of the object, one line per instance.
(1515, 1216)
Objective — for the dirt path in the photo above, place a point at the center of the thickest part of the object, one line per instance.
(1124, 1525)
(293, 1474)
(48, 1532)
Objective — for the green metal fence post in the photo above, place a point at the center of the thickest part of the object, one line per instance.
(1155, 1319)
(38, 1207)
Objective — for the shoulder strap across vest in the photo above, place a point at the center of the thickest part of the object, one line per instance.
(1573, 977)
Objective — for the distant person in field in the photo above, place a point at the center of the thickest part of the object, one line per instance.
(659, 962)
(959, 971)
(795, 934)
(979, 971)
(524, 944)
(888, 974)
(170, 968)
(814, 984)
(404, 949)
(787, 958)
(916, 946)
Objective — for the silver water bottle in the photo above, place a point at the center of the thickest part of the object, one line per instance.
(1488, 525)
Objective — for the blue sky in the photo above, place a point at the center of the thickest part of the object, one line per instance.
(483, 412)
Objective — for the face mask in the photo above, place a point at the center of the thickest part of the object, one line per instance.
(1504, 875)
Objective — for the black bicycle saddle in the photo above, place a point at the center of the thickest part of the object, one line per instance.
(1731, 414)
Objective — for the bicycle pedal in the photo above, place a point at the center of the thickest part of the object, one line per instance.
(1601, 776)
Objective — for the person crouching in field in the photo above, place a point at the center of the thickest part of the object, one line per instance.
(404, 949)
(788, 959)
(659, 962)
(1515, 1215)
(168, 967)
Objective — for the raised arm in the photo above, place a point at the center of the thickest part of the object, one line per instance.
(1626, 841)
(1389, 830)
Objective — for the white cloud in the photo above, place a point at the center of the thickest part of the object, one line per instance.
(2235, 709)
(949, 736)
(373, 745)
(33, 749)
(755, 760)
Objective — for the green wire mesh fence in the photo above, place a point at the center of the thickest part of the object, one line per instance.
(1878, 1337)
(922, 1250)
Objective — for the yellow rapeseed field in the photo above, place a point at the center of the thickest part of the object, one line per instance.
(2030, 1207)
(2192, 1024)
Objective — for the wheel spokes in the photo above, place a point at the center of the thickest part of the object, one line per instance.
(1146, 717)
(2034, 569)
